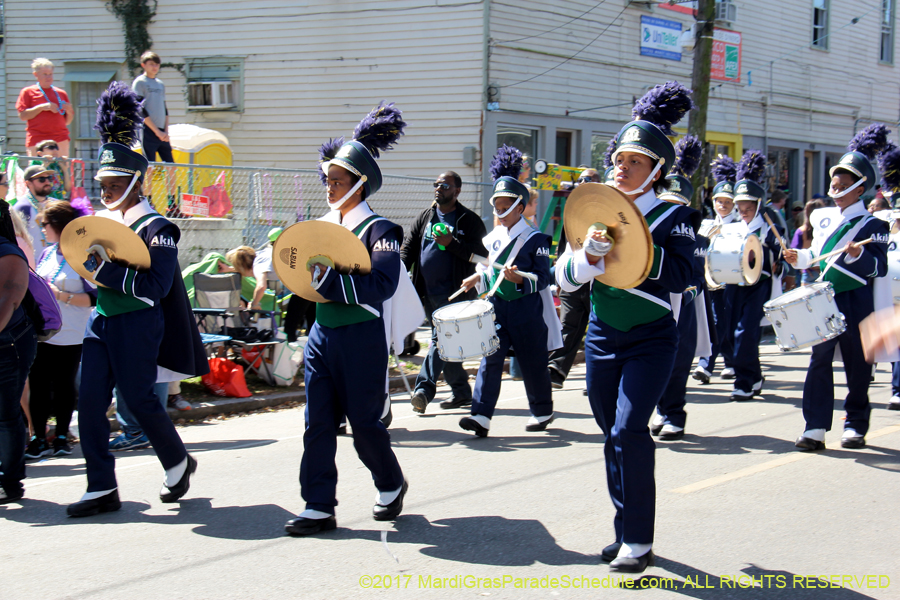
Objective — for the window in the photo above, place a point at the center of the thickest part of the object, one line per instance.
(887, 31)
(820, 24)
(524, 139)
(599, 143)
(215, 83)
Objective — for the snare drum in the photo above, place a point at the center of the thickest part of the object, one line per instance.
(734, 258)
(805, 316)
(893, 260)
(465, 331)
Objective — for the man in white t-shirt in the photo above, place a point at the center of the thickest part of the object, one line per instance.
(263, 270)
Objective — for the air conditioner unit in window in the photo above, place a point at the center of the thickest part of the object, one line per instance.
(211, 94)
(726, 11)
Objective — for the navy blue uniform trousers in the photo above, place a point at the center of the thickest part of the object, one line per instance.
(122, 351)
(345, 375)
(746, 304)
(818, 390)
(723, 343)
(674, 397)
(627, 372)
(522, 326)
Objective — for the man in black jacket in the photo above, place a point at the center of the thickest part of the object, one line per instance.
(439, 263)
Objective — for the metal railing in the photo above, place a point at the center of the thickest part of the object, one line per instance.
(219, 208)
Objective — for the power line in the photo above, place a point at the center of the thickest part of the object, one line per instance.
(555, 28)
(561, 63)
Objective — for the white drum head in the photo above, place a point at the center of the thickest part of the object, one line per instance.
(463, 310)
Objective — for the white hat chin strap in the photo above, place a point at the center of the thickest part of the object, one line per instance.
(509, 210)
(123, 197)
(848, 190)
(647, 181)
(340, 203)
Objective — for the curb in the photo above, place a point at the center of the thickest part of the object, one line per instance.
(221, 406)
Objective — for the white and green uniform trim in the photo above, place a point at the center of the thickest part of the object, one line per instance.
(117, 301)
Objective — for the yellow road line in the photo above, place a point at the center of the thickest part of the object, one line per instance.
(772, 464)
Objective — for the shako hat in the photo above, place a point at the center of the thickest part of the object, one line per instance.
(750, 173)
(724, 173)
(505, 169)
(688, 151)
(654, 114)
(119, 113)
(863, 149)
(376, 133)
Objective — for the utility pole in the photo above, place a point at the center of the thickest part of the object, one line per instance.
(706, 15)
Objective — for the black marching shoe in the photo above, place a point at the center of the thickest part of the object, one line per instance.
(633, 565)
(470, 424)
(7, 497)
(387, 419)
(610, 553)
(419, 402)
(534, 425)
(304, 526)
(87, 508)
(455, 402)
(702, 375)
(174, 493)
(806, 444)
(392, 510)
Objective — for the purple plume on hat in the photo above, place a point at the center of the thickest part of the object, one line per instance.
(118, 115)
(507, 162)
(889, 165)
(752, 166)
(664, 106)
(610, 149)
(870, 141)
(327, 151)
(380, 129)
(724, 169)
(82, 206)
(688, 151)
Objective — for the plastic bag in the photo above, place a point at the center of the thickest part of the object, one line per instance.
(287, 361)
(225, 378)
(219, 201)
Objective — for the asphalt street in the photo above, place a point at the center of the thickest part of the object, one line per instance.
(740, 514)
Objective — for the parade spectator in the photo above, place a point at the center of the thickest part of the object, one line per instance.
(439, 263)
(45, 109)
(52, 377)
(18, 343)
(156, 123)
(803, 240)
(38, 182)
(878, 203)
(776, 208)
(62, 184)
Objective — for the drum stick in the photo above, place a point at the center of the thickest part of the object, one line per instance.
(775, 230)
(496, 285)
(524, 274)
(457, 293)
(836, 252)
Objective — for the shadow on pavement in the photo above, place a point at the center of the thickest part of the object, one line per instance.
(484, 540)
(740, 444)
(259, 522)
(552, 438)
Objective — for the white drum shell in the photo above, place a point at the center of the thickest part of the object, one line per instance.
(727, 260)
(805, 316)
(465, 331)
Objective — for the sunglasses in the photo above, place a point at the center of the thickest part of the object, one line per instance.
(442, 185)
(584, 180)
(41, 179)
(49, 148)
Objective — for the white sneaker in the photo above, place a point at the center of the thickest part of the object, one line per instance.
(738, 394)
(894, 404)
(852, 439)
(670, 432)
(701, 375)
(656, 424)
(728, 373)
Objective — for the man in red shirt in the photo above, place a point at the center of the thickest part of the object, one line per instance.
(45, 109)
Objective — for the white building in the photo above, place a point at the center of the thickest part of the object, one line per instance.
(555, 78)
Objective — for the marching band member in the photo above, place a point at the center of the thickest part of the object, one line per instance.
(632, 338)
(670, 417)
(744, 303)
(724, 171)
(346, 357)
(853, 274)
(142, 319)
(520, 304)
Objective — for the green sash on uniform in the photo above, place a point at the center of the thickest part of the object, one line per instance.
(112, 302)
(623, 309)
(339, 314)
(840, 280)
(507, 289)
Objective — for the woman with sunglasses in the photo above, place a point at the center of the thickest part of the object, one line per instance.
(52, 376)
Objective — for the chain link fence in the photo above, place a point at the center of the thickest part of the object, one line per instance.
(219, 208)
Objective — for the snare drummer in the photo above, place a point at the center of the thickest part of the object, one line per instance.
(724, 171)
(853, 274)
(745, 303)
(519, 303)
